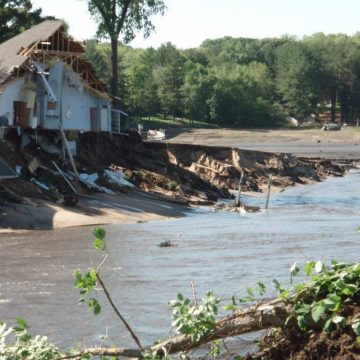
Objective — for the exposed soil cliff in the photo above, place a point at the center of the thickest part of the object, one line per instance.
(194, 174)
(199, 174)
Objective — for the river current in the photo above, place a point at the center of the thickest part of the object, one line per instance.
(220, 251)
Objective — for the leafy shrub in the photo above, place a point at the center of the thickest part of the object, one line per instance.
(192, 319)
(25, 347)
(172, 185)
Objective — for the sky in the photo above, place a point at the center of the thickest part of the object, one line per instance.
(187, 23)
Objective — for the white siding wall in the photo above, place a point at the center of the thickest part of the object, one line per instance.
(76, 108)
(74, 101)
(12, 91)
(105, 119)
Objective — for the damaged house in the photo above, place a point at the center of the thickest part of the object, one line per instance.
(46, 83)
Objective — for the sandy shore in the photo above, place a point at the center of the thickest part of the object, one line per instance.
(99, 209)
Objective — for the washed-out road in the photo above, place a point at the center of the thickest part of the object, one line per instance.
(343, 144)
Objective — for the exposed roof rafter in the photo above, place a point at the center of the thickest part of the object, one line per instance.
(44, 43)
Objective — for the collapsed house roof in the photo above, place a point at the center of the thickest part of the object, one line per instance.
(43, 42)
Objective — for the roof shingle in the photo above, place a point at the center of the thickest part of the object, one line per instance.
(9, 49)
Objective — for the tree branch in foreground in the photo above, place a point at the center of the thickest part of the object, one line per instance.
(255, 318)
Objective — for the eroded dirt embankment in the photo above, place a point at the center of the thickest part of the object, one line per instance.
(196, 173)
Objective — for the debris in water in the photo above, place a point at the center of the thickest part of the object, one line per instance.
(167, 243)
(233, 208)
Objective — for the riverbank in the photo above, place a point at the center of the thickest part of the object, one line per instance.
(97, 209)
(168, 178)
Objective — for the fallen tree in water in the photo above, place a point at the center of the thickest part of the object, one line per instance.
(249, 320)
(318, 318)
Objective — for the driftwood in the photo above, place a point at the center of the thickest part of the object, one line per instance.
(248, 320)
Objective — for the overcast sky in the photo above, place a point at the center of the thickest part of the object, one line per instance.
(187, 23)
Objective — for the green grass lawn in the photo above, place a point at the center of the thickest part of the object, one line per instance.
(157, 122)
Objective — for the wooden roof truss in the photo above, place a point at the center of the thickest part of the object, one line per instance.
(60, 46)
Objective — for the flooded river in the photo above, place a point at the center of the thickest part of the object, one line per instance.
(219, 251)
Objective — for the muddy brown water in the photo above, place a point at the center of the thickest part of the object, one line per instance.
(219, 251)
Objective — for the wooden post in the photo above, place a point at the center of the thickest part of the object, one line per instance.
(67, 148)
(65, 178)
(237, 202)
(268, 194)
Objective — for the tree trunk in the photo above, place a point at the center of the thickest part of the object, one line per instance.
(333, 105)
(114, 69)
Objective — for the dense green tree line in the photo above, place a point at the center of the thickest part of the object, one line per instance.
(228, 81)
(17, 16)
(239, 82)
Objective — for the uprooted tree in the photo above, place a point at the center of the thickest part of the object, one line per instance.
(324, 303)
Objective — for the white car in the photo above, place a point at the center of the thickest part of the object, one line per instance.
(331, 127)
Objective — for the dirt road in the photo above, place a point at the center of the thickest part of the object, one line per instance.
(343, 144)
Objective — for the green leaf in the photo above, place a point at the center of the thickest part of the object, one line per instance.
(308, 268)
(349, 290)
(187, 302)
(21, 323)
(250, 291)
(261, 288)
(232, 306)
(278, 287)
(302, 309)
(356, 268)
(299, 287)
(317, 310)
(284, 294)
(94, 305)
(328, 325)
(99, 244)
(332, 303)
(99, 233)
(92, 275)
(301, 322)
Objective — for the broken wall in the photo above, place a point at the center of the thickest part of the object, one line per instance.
(12, 91)
(74, 101)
